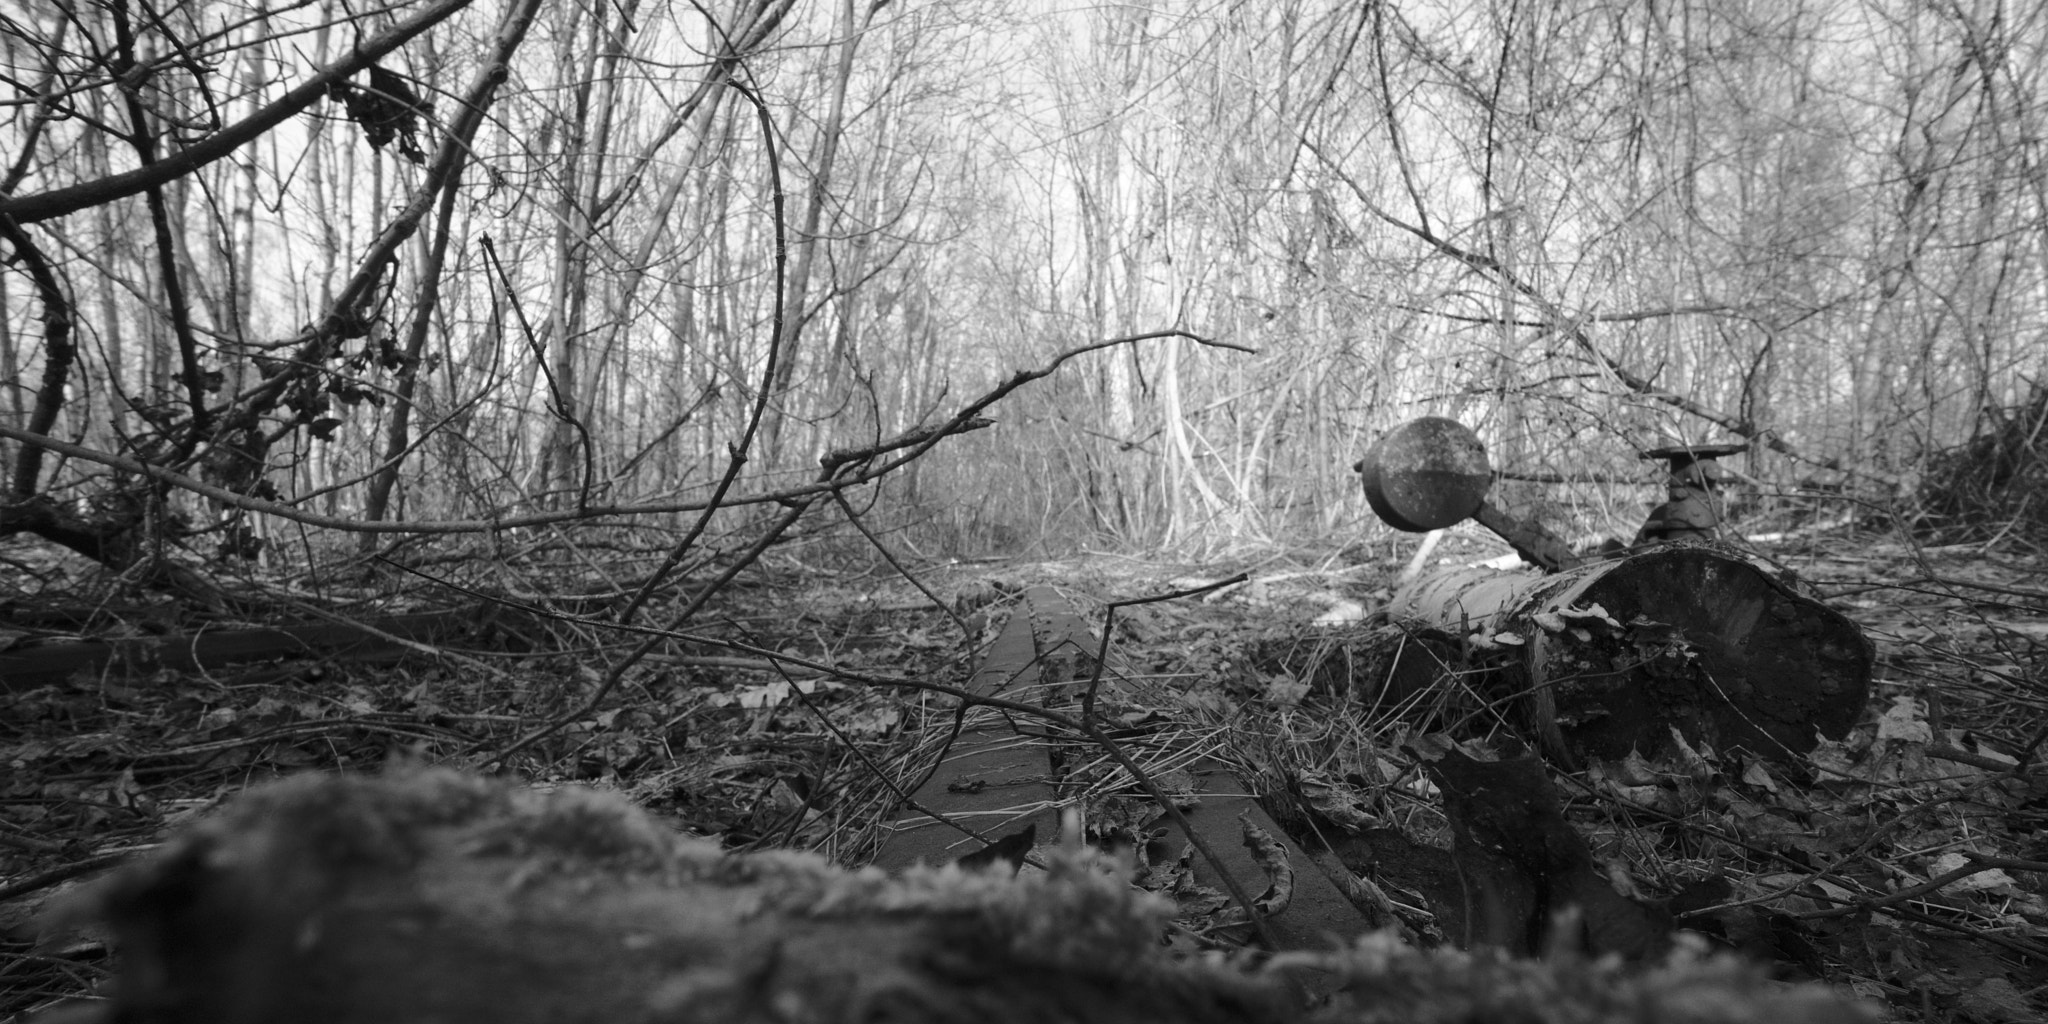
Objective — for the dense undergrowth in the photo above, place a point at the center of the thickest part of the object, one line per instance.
(1902, 862)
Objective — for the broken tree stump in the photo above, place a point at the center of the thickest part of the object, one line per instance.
(439, 898)
(1611, 655)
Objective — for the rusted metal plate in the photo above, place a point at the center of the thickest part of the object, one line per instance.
(996, 783)
(1318, 916)
(991, 780)
(1426, 474)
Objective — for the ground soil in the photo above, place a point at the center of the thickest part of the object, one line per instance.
(1901, 860)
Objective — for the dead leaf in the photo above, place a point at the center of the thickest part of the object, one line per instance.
(1905, 721)
(1271, 856)
(1986, 879)
(1996, 1001)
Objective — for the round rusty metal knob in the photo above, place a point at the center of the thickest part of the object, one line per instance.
(1426, 474)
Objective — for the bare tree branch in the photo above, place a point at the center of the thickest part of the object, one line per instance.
(58, 202)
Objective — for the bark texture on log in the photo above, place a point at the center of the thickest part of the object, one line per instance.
(1613, 654)
(436, 898)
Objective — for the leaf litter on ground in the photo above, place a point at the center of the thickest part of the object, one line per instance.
(1902, 861)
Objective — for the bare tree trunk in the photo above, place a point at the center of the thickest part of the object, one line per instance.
(449, 160)
(808, 238)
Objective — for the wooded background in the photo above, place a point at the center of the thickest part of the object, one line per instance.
(639, 239)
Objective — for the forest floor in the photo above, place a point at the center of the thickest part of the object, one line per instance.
(1905, 862)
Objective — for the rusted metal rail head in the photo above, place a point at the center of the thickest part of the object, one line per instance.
(990, 780)
(1609, 655)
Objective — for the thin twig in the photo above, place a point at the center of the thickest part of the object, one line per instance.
(901, 570)
(1109, 621)
(45, 879)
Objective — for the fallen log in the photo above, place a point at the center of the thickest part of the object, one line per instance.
(438, 898)
(385, 639)
(1612, 655)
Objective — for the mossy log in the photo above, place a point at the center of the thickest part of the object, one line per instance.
(437, 898)
(1610, 655)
